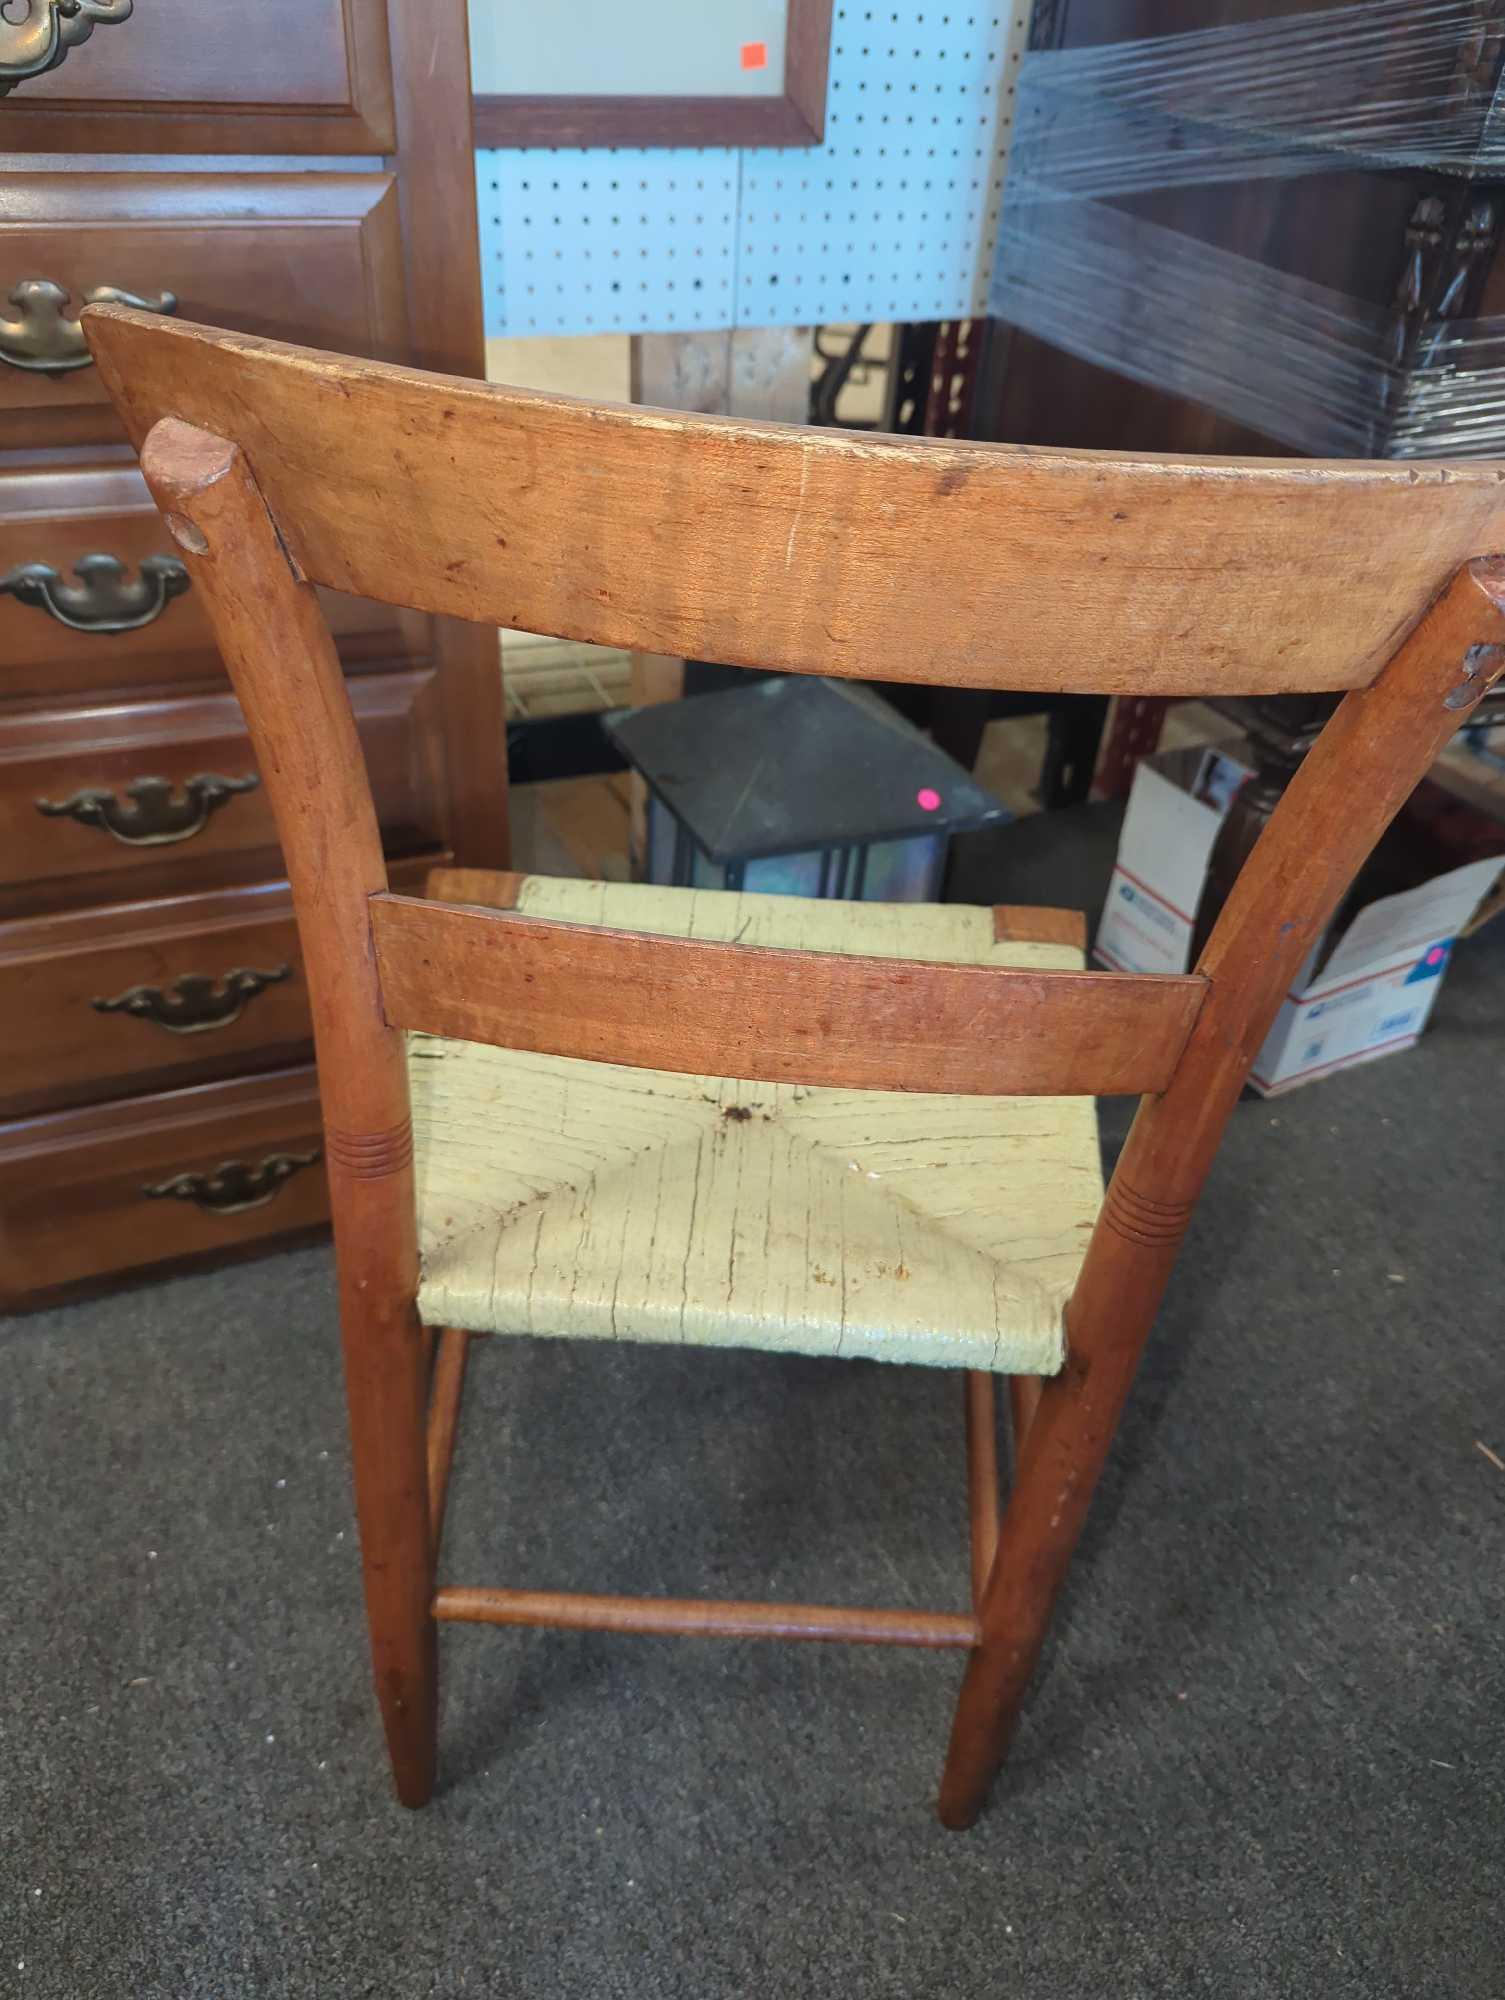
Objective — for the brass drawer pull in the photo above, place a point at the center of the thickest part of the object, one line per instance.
(193, 1003)
(234, 1187)
(44, 340)
(102, 600)
(47, 29)
(154, 816)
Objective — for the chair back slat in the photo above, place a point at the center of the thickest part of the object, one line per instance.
(828, 552)
(773, 1016)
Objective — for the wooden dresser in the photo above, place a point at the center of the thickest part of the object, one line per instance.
(296, 168)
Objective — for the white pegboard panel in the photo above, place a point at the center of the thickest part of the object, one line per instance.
(608, 239)
(893, 217)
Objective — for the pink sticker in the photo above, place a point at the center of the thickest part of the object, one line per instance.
(755, 55)
(928, 799)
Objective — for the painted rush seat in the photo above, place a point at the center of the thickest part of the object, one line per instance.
(577, 1198)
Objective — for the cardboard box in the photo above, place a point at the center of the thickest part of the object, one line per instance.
(1376, 983)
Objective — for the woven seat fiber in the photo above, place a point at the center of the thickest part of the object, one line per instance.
(577, 1199)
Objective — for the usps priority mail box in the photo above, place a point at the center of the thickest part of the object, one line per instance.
(1377, 983)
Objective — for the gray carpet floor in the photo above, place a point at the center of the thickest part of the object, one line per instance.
(1264, 1755)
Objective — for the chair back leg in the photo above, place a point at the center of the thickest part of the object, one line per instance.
(1378, 746)
(387, 1366)
(269, 625)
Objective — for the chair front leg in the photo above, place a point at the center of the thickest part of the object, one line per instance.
(1063, 1452)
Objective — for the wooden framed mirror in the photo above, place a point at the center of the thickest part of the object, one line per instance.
(661, 73)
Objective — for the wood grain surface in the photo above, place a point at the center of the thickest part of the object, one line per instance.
(72, 1208)
(53, 753)
(316, 255)
(774, 1015)
(298, 713)
(1363, 767)
(703, 1618)
(180, 77)
(56, 513)
(819, 551)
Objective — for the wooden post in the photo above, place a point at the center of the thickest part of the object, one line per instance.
(436, 184)
(1372, 754)
(301, 726)
(447, 1388)
(983, 1500)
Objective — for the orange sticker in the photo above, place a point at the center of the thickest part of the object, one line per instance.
(755, 55)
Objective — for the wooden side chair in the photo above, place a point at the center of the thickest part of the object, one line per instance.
(644, 1114)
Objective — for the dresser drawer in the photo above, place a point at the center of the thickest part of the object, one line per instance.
(131, 997)
(315, 258)
(113, 795)
(282, 76)
(60, 516)
(150, 1180)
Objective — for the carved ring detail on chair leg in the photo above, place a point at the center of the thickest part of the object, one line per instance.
(371, 1156)
(1140, 1219)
